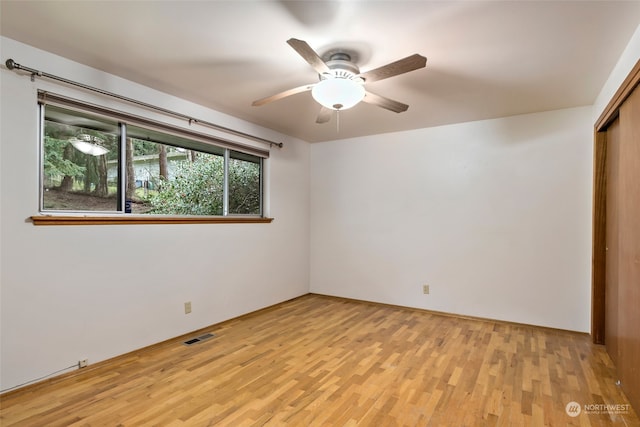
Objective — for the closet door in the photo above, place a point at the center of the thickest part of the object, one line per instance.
(611, 256)
(628, 340)
(615, 276)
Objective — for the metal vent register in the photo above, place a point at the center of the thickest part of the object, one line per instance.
(199, 339)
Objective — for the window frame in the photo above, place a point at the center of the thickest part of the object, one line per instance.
(86, 217)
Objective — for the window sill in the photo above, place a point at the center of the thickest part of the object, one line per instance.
(147, 219)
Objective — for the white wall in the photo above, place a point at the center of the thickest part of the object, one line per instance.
(625, 64)
(69, 293)
(494, 215)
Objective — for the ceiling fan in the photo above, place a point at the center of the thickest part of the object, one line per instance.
(341, 84)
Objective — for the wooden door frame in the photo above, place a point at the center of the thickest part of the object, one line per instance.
(598, 253)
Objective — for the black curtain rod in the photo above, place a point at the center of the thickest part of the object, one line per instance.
(12, 65)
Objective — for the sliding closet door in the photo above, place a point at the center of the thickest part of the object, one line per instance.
(628, 344)
(616, 234)
(612, 257)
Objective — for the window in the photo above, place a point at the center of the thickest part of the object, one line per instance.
(76, 158)
(99, 163)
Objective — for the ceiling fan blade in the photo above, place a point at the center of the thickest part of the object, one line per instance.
(401, 66)
(381, 101)
(281, 95)
(309, 55)
(324, 115)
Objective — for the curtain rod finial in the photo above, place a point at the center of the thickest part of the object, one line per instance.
(11, 64)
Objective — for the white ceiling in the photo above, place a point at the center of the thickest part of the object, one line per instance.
(486, 59)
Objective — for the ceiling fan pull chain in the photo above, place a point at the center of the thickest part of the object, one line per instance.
(337, 121)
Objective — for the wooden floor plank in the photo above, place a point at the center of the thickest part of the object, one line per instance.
(320, 360)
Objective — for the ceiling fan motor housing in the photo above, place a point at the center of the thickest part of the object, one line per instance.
(341, 67)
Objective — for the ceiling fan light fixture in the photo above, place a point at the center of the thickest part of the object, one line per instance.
(338, 93)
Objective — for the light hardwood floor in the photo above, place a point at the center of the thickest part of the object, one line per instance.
(326, 361)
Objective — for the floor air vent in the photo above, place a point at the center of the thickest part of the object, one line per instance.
(199, 339)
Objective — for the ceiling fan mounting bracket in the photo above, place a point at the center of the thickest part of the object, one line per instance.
(350, 55)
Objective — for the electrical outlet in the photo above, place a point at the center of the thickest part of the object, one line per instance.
(83, 363)
(425, 289)
(187, 307)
